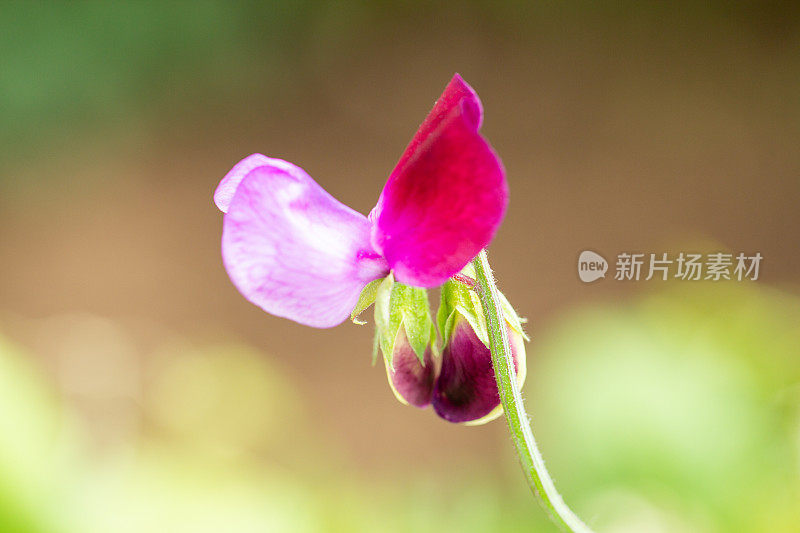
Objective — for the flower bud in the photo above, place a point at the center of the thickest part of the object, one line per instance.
(466, 389)
(406, 335)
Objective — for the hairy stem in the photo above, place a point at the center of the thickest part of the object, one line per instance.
(518, 421)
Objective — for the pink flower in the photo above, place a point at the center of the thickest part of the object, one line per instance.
(297, 252)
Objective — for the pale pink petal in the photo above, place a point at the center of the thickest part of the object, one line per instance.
(294, 250)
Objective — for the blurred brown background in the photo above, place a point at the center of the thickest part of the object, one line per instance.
(623, 127)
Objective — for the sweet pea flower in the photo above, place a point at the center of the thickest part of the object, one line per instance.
(295, 251)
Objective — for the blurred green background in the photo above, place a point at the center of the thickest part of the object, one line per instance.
(139, 392)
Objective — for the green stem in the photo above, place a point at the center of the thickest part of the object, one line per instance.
(518, 421)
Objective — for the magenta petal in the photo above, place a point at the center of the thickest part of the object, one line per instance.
(294, 250)
(228, 185)
(445, 198)
(466, 389)
(410, 379)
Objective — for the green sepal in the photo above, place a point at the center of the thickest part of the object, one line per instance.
(458, 299)
(376, 346)
(396, 306)
(412, 304)
(461, 299)
(366, 299)
(514, 320)
(383, 319)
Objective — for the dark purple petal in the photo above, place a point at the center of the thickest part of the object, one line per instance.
(445, 198)
(466, 390)
(410, 379)
(294, 250)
